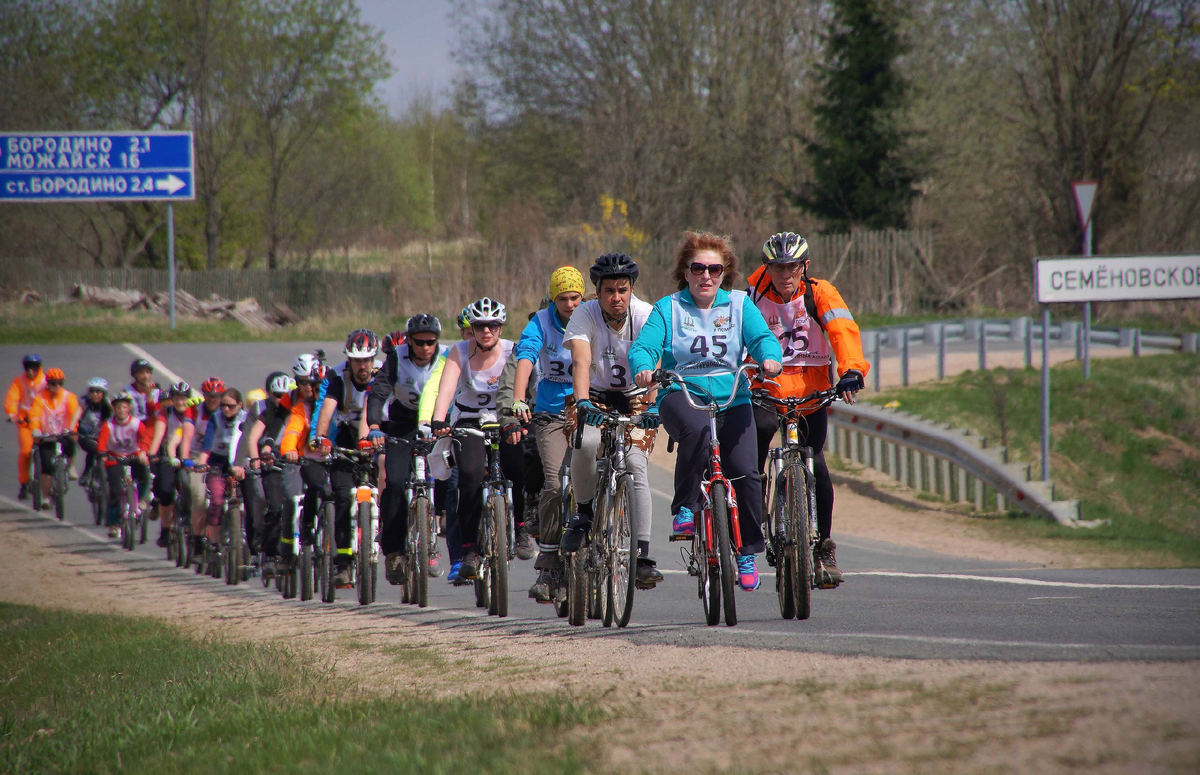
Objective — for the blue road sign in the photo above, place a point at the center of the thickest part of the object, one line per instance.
(96, 166)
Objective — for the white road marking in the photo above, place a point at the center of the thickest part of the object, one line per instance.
(1056, 597)
(155, 362)
(52, 518)
(953, 641)
(1017, 580)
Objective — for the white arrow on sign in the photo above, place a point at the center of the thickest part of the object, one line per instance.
(1085, 193)
(170, 184)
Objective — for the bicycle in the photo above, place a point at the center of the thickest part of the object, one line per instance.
(612, 555)
(364, 545)
(95, 486)
(295, 575)
(227, 556)
(421, 540)
(717, 538)
(790, 508)
(58, 477)
(128, 509)
(181, 529)
(496, 528)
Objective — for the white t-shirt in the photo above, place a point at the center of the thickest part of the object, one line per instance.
(610, 349)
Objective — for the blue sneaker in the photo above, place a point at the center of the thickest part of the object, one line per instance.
(684, 524)
(748, 576)
(454, 568)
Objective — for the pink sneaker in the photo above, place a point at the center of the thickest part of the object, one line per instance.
(748, 577)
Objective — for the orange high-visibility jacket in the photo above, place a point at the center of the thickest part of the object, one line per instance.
(22, 392)
(50, 416)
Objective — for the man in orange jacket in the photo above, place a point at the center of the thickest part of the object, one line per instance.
(51, 415)
(17, 403)
(810, 319)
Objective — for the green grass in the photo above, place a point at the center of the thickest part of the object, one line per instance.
(1126, 443)
(72, 324)
(102, 693)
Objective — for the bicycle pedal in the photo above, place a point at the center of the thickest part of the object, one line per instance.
(644, 586)
(680, 537)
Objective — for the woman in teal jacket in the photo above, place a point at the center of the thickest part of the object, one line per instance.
(703, 332)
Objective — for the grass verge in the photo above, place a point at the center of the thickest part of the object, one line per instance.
(72, 324)
(102, 693)
(1125, 442)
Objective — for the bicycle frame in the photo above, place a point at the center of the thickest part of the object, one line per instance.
(365, 491)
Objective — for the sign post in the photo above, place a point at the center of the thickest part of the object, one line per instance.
(1085, 195)
(100, 167)
(1074, 280)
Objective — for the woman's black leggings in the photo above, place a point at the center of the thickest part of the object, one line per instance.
(813, 429)
(471, 454)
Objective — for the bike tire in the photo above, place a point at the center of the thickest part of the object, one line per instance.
(366, 570)
(800, 552)
(622, 578)
(60, 489)
(328, 561)
(785, 569)
(706, 576)
(98, 488)
(720, 515)
(596, 588)
(129, 516)
(216, 562)
(498, 512)
(576, 589)
(35, 479)
(143, 517)
(233, 550)
(483, 597)
(418, 575)
(304, 573)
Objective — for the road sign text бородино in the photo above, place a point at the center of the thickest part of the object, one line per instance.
(74, 166)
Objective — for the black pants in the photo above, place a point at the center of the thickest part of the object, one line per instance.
(46, 451)
(116, 488)
(254, 504)
(273, 505)
(393, 504)
(318, 478)
(813, 429)
(735, 432)
(471, 454)
(164, 482)
(88, 445)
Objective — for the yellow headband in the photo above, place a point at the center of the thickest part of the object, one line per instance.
(566, 279)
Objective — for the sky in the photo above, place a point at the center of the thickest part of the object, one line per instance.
(419, 37)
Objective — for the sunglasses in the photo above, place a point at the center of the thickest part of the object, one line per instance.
(424, 342)
(714, 270)
(55, 382)
(229, 406)
(305, 382)
(790, 268)
(489, 326)
(97, 391)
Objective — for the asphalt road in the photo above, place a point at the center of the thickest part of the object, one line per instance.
(896, 601)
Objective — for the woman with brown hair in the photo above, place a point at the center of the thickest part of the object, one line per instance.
(701, 332)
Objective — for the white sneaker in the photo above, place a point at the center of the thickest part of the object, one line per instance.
(72, 474)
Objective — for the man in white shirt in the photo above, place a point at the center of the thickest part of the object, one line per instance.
(599, 336)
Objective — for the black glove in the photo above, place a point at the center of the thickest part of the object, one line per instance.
(438, 425)
(851, 382)
(650, 419)
(587, 413)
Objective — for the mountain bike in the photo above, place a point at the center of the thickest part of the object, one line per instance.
(128, 507)
(364, 537)
(717, 539)
(790, 506)
(58, 476)
(496, 540)
(612, 555)
(181, 529)
(421, 539)
(234, 554)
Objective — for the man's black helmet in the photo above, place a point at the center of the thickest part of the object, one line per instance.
(423, 323)
(614, 265)
(138, 365)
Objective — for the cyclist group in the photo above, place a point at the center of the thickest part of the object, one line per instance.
(581, 358)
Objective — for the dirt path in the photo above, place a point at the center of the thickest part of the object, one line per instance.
(874, 715)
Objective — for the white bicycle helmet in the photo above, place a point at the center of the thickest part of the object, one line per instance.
(98, 383)
(486, 311)
(361, 343)
(280, 383)
(306, 366)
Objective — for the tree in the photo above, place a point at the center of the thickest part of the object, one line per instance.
(864, 166)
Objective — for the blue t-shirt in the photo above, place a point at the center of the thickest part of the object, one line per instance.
(542, 345)
(704, 342)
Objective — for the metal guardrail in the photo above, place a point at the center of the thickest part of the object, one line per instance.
(939, 459)
(1022, 329)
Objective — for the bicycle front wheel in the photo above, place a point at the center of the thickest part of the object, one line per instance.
(366, 568)
(798, 555)
(233, 548)
(720, 518)
(60, 488)
(498, 513)
(420, 523)
(622, 552)
(327, 554)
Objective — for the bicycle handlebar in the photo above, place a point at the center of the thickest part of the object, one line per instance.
(823, 398)
(666, 378)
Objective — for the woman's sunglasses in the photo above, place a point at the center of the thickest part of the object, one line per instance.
(229, 406)
(488, 326)
(714, 270)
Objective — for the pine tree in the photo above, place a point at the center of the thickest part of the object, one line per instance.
(862, 162)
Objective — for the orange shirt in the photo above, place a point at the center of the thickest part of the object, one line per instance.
(295, 433)
(53, 416)
(22, 392)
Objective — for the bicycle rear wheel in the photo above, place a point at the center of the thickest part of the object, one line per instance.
(577, 591)
(420, 523)
(98, 492)
(233, 549)
(35, 480)
(720, 516)
(498, 513)
(327, 554)
(304, 573)
(622, 552)
(708, 578)
(776, 533)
